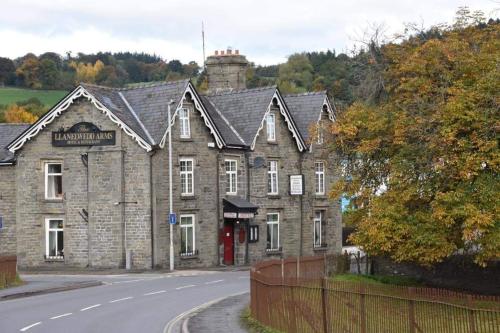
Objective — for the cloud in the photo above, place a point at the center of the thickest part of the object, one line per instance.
(266, 31)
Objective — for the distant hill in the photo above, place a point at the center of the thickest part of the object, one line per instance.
(47, 97)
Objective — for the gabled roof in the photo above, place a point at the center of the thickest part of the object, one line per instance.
(234, 118)
(9, 132)
(306, 109)
(150, 104)
(244, 109)
(107, 100)
(231, 137)
(111, 99)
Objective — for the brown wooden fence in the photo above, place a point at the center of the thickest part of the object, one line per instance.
(296, 296)
(7, 269)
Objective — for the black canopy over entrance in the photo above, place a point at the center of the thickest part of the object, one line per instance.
(238, 208)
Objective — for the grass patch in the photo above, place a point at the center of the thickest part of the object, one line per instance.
(47, 97)
(254, 326)
(379, 279)
(3, 281)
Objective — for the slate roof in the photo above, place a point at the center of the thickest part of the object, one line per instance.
(111, 99)
(9, 132)
(229, 134)
(150, 103)
(244, 109)
(237, 115)
(305, 109)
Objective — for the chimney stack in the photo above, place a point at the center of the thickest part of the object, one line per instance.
(226, 71)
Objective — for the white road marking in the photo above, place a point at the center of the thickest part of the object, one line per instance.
(24, 329)
(90, 307)
(63, 315)
(155, 292)
(183, 287)
(242, 277)
(128, 281)
(120, 299)
(212, 282)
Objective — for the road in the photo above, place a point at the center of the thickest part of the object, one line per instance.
(133, 303)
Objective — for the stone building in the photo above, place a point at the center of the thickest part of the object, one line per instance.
(87, 185)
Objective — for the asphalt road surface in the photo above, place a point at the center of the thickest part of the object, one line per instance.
(134, 303)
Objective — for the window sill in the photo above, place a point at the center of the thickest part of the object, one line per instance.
(273, 196)
(274, 142)
(320, 248)
(186, 139)
(188, 197)
(320, 196)
(271, 252)
(53, 200)
(191, 255)
(54, 259)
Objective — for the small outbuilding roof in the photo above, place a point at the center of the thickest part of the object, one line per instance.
(9, 132)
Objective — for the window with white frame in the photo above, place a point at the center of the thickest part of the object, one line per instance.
(273, 231)
(272, 177)
(187, 235)
(184, 123)
(53, 181)
(54, 239)
(319, 228)
(231, 176)
(186, 167)
(271, 126)
(319, 171)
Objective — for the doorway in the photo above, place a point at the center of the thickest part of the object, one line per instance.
(228, 239)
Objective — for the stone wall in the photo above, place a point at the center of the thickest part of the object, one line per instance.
(100, 185)
(8, 210)
(203, 204)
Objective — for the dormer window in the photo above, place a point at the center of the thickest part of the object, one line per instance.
(184, 123)
(271, 127)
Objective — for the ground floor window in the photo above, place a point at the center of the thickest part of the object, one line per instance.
(319, 229)
(54, 239)
(187, 235)
(273, 231)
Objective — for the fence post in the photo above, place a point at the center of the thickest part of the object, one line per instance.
(323, 304)
(411, 311)
(472, 321)
(363, 309)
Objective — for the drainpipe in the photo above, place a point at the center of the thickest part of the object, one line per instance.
(301, 160)
(217, 246)
(247, 162)
(124, 221)
(151, 189)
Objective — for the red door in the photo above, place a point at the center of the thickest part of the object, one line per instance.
(228, 244)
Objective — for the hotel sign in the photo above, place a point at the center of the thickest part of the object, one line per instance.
(83, 134)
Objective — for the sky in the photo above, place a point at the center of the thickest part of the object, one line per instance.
(265, 31)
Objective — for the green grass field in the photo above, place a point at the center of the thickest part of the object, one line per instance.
(47, 97)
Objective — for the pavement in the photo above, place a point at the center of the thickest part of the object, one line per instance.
(144, 302)
(223, 316)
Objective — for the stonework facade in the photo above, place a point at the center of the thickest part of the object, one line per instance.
(232, 157)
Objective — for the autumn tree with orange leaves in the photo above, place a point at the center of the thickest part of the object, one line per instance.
(422, 165)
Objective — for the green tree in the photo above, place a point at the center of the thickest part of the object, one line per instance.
(422, 165)
(28, 72)
(48, 73)
(7, 70)
(296, 75)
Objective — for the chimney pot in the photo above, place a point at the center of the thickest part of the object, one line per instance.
(216, 52)
(222, 53)
(229, 51)
(236, 52)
